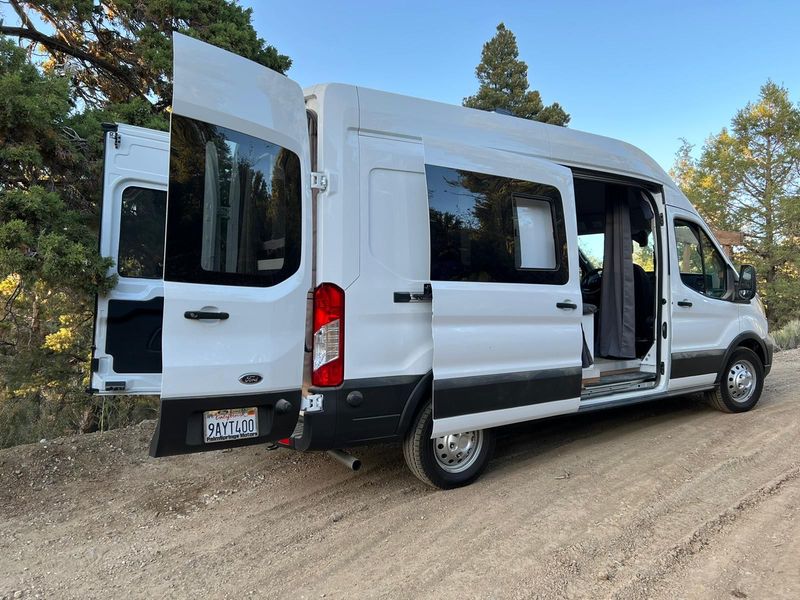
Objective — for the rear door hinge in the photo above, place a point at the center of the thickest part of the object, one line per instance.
(319, 181)
(661, 219)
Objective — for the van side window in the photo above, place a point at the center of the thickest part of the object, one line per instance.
(234, 207)
(494, 229)
(141, 233)
(701, 266)
(716, 269)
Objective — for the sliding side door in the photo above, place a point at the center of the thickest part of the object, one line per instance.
(506, 293)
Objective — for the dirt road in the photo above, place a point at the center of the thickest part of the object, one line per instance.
(668, 500)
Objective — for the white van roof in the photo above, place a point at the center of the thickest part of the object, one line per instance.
(384, 113)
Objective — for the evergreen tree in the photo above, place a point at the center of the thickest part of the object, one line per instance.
(94, 62)
(748, 179)
(504, 84)
(118, 50)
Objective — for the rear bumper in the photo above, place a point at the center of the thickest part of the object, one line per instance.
(180, 421)
(361, 411)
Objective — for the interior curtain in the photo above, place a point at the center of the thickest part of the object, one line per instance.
(617, 330)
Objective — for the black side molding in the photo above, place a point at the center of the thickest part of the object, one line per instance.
(475, 394)
(689, 364)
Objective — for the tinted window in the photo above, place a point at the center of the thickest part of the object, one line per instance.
(141, 233)
(234, 207)
(716, 269)
(690, 260)
(489, 228)
(701, 266)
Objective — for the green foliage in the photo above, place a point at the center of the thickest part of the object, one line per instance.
(788, 336)
(117, 50)
(103, 61)
(748, 179)
(503, 82)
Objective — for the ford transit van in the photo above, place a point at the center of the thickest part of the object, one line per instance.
(337, 266)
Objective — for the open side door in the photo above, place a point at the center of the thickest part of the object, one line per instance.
(237, 264)
(126, 357)
(506, 293)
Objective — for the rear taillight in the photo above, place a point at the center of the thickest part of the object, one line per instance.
(328, 354)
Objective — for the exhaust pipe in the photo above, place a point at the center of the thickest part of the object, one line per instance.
(348, 460)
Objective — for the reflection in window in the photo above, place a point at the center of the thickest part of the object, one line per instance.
(490, 228)
(235, 207)
(534, 241)
(716, 269)
(701, 265)
(141, 233)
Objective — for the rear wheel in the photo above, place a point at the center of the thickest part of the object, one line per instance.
(449, 461)
(740, 383)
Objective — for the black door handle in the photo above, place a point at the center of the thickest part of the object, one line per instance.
(566, 304)
(201, 314)
(684, 303)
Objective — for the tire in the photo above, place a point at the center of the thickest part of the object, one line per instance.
(740, 383)
(418, 450)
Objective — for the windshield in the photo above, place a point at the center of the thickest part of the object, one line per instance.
(591, 247)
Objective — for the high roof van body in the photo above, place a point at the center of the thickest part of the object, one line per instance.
(338, 266)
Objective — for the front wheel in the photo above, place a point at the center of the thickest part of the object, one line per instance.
(449, 461)
(740, 383)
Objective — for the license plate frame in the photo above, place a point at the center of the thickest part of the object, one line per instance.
(230, 424)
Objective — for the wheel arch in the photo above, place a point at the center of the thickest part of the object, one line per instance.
(751, 341)
(415, 402)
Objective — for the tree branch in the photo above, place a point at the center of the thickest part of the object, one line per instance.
(54, 44)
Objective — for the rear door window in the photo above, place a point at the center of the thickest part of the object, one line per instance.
(234, 207)
(141, 233)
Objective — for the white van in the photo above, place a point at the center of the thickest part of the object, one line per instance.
(337, 266)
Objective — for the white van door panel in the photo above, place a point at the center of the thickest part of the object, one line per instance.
(126, 357)
(703, 327)
(504, 351)
(237, 264)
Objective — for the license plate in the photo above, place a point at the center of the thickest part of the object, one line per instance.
(230, 424)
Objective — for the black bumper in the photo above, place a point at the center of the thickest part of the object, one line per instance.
(180, 421)
(362, 411)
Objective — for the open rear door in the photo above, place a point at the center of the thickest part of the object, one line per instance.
(126, 357)
(506, 293)
(237, 258)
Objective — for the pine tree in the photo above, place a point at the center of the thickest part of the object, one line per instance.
(504, 84)
(72, 66)
(748, 179)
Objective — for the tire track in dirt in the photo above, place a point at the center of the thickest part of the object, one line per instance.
(629, 503)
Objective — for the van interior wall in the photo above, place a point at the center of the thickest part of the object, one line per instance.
(618, 275)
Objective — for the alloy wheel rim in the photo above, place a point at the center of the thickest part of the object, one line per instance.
(741, 381)
(457, 452)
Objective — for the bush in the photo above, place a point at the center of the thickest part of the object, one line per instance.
(788, 336)
(27, 419)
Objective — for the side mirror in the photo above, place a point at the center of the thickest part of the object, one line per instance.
(746, 286)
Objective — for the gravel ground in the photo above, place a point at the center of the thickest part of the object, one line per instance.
(666, 500)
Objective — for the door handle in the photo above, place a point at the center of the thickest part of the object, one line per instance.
(196, 315)
(684, 303)
(566, 304)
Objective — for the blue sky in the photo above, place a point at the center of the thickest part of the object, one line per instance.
(645, 72)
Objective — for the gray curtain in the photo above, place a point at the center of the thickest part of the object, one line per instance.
(617, 330)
